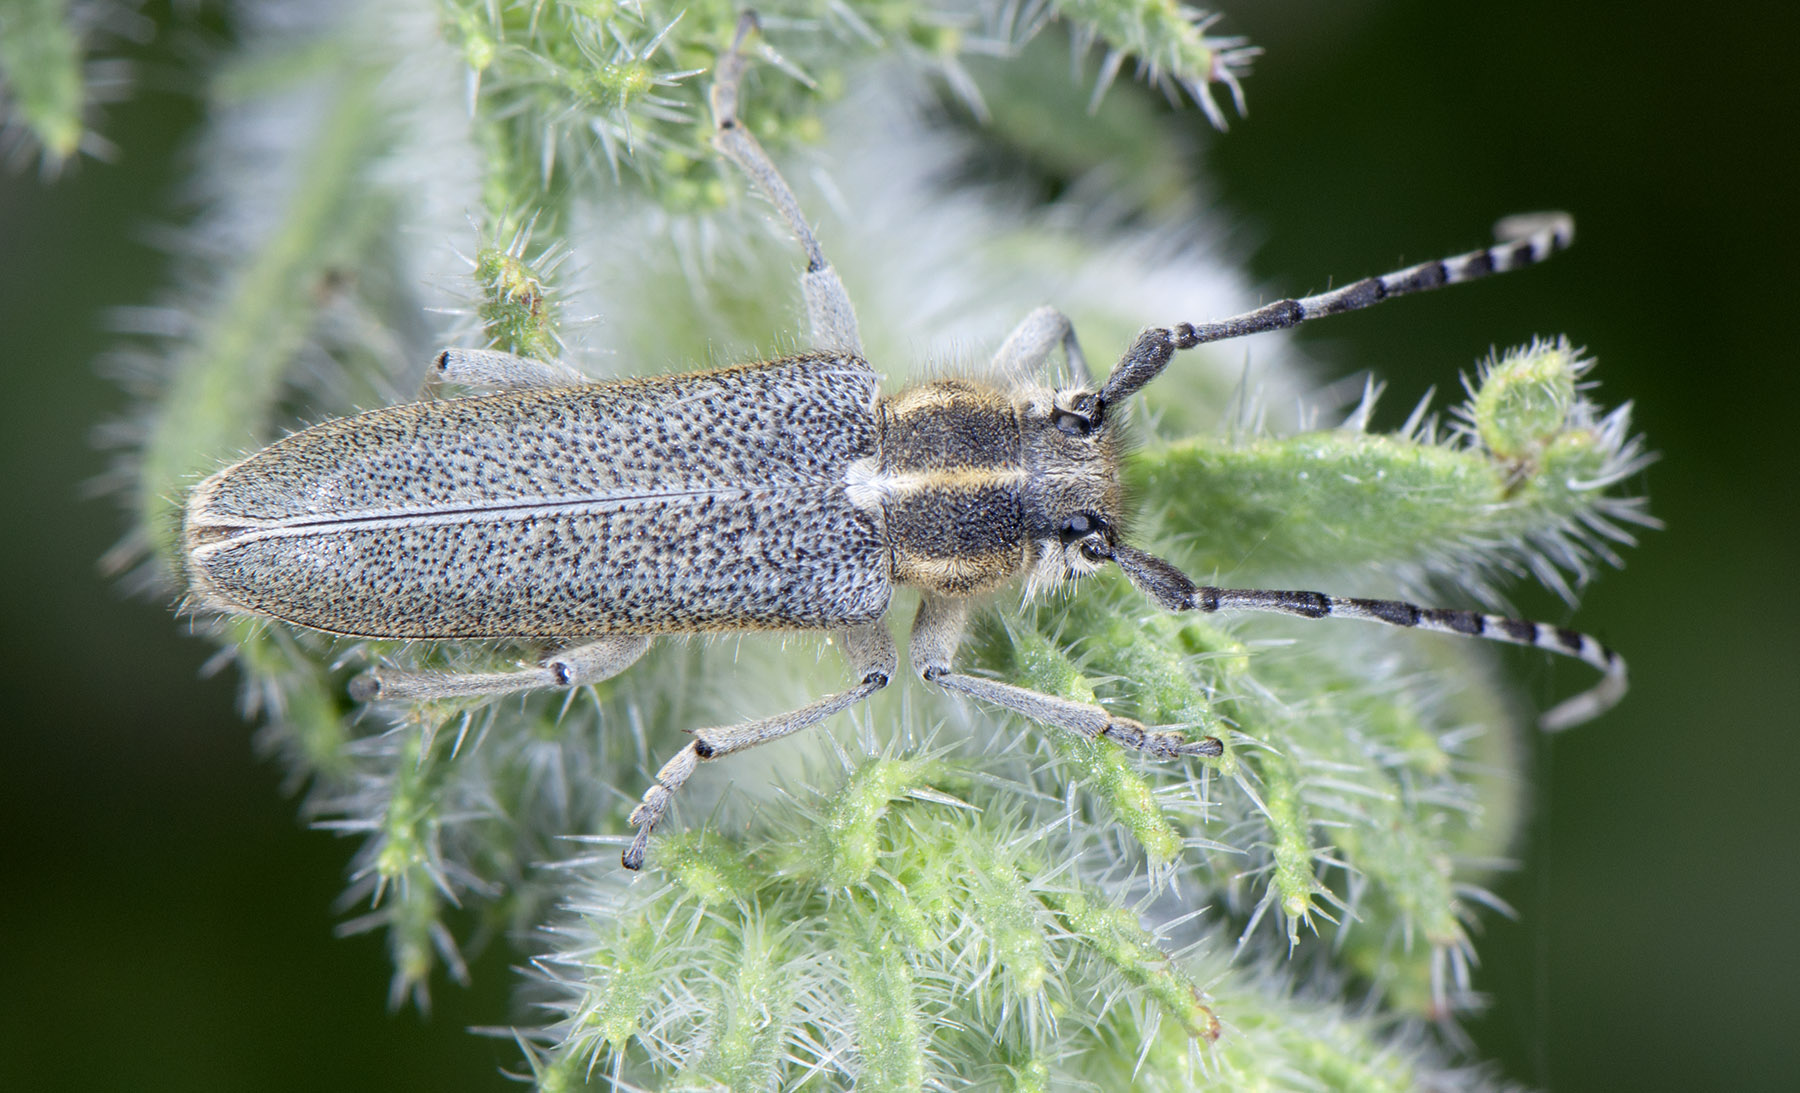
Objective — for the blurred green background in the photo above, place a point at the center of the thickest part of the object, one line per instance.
(166, 921)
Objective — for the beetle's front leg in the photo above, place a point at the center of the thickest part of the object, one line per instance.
(582, 664)
(938, 630)
(870, 651)
(1021, 357)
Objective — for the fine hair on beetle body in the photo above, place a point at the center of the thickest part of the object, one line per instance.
(782, 495)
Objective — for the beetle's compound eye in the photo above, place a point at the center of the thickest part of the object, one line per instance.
(1080, 416)
(1080, 526)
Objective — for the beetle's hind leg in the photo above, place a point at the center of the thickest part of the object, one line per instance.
(574, 667)
(494, 370)
(873, 659)
(830, 317)
(938, 630)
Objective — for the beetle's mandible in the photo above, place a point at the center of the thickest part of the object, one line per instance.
(783, 495)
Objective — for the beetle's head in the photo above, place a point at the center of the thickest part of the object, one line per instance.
(1073, 501)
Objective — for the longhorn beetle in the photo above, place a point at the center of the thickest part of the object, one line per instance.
(777, 495)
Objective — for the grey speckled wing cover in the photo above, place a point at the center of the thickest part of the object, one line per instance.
(698, 502)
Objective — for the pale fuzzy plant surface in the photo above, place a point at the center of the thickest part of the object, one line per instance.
(924, 894)
(56, 73)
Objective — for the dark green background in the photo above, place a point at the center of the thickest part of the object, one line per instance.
(165, 921)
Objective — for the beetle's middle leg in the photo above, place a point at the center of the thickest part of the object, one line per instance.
(873, 659)
(831, 319)
(938, 630)
(590, 663)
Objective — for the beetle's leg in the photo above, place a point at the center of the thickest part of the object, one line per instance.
(1030, 344)
(588, 663)
(828, 312)
(938, 630)
(870, 651)
(493, 369)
